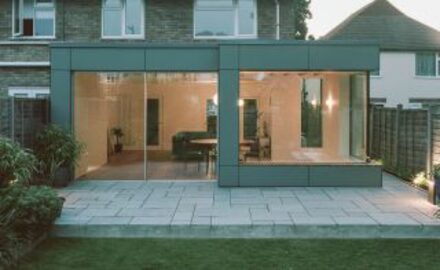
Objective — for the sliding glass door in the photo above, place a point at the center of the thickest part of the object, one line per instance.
(146, 125)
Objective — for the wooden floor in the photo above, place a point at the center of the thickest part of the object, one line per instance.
(130, 165)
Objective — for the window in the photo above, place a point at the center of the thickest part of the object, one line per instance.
(292, 117)
(427, 64)
(122, 19)
(375, 73)
(33, 18)
(211, 116)
(250, 119)
(225, 19)
(311, 113)
(29, 92)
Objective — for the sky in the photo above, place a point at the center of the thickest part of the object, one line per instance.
(329, 13)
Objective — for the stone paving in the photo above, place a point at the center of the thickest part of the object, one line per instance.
(132, 208)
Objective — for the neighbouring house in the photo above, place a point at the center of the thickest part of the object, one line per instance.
(409, 71)
(194, 89)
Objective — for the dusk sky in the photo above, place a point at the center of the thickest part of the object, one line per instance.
(329, 13)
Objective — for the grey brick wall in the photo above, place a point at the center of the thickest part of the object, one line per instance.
(24, 52)
(23, 77)
(80, 21)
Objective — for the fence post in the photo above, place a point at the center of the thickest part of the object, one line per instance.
(429, 143)
(396, 145)
(370, 131)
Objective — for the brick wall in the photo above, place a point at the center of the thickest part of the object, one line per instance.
(30, 77)
(80, 21)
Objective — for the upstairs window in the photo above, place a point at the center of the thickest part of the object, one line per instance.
(33, 18)
(427, 64)
(122, 19)
(225, 19)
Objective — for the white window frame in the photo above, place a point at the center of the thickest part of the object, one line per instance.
(436, 71)
(437, 64)
(123, 28)
(36, 5)
(30, 92)
(236, 35)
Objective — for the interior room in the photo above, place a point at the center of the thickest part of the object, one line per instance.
(302, 118)
(164, 125)
(146, 125)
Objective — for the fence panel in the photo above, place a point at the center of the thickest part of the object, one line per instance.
(400, 139)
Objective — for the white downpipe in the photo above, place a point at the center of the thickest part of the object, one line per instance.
(277, 18)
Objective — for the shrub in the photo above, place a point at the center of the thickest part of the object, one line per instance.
(56, 148)
(15, 162)
(29, 206)
(8, 251)
(26, 213)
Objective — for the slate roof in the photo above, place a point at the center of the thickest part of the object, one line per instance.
(383, 23)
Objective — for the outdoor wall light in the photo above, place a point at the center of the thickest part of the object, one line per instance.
(215, 99)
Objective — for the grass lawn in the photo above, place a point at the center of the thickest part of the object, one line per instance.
(126, 254)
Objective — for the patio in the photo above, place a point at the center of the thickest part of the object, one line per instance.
(202, 209)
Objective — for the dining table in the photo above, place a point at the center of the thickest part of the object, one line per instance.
(209, 147)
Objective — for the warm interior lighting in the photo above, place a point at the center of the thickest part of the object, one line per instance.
(241, 102)
(330, 102)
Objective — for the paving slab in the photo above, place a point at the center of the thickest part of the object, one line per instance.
(202, 209)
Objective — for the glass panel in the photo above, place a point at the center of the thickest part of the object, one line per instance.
(375, 73)
(153, 121)
(302, 118)
(112, 22)
(358, 116)
(425, 64)
(215, 4)
(109, 111)
(44, 22)
(250, 118)
(44, 2)
(113, 3)
(17, 20)
(211, 116)
(214, 18)
(246, 17)
(188, 145)
(311, 113)
(133, 17)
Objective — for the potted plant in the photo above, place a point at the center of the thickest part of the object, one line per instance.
(118, 133)
(58, 153)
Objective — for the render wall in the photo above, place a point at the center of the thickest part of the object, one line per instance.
(398, 82)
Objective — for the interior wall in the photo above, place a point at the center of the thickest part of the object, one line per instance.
(102, 103)
(279, 102)
(183, 106)
(90, 115)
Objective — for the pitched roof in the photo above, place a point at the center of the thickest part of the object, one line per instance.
(382, 22)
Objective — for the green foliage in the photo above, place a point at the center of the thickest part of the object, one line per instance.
(301, 13)
(29, 206)
(56, 148)
(436, 171)
(15, 162)
(26, 212)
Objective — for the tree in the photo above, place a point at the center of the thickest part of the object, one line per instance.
(301, 13)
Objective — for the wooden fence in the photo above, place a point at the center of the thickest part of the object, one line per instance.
(407, 141)
(22, 118)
